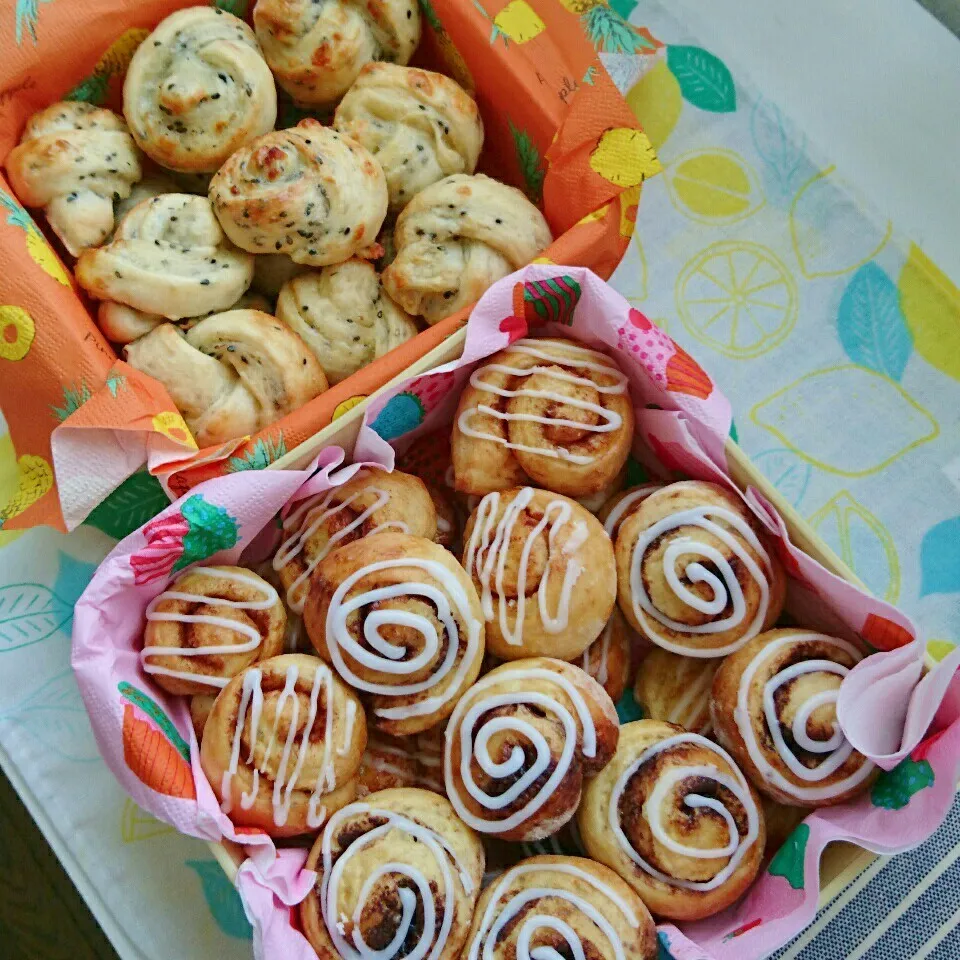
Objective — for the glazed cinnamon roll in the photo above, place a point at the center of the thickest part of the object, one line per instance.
(197, 89)
(448, 518)
(676, 689)
(429, 754)
(520, 744)
(282, 745)
(544, 569)
(774, 706)
(201, 705)
(553, 906)
(208, 625)
(309, 192)
(695, 574)
(400, 621)
(673, 815)
(608, 658)
(75, 160)
(622, 505)
(546, 411)
(373, 501)
(398, 875)
(387, 764)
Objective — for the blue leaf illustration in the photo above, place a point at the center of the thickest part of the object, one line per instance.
(29, 613)
(871, 325)
(780, 148)
(940, 558)
(223, 899)
(663, 946)
(786, 471)
(73, 577)
(704, 79)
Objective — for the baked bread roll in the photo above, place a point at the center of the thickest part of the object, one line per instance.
(400, 621)
(774, 707)
(398, 875)
(388, 763)
(622, 505)
(272, 270)
(197, 89)
(372, 501)
(608, 658)
(208, 625)
(673, 815)
(168, 257)
(457, 237)
(676, 689)
(201, 706)
(308, 192)
(449, 523)
(548, 412)
(556, 906)
(282, 745)
(153, 184)
(694, 572)
(421, 126)
(316, 50)
(520, 744)
(231, 374)
(76, 161)
(545, 574)
(344, 316)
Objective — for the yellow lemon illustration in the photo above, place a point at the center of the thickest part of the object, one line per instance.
(830, 232)
(34, 479)
(41, 253)
(625, 157)
(16, 333)
(656, 101)
(938, 649)
(629, 204)
(346, 405)
(545, 260)
(137, 824)
(118, 56)
(518, 21)
(9, 482)
(931, 306)
(714, 186)
(595, 215)
(862, 542)
(738, 298)
(881, 421)
(174, 427)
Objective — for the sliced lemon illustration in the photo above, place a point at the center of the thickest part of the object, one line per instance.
(738, 298)
(625, 157)
(714, 186)
(656, 101)
(16, 333)
(137, 824)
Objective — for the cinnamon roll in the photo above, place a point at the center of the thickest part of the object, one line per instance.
(694, 573)
(400, 621)
(197, 89)
(398, 875)
(282, 745)
(75, 160)
(550, 412)
(308, 192)
(373, 501)
(544, 569)
(520, 744)
(673, 815)
(208, 625)
(555, 906)
(622, 505)
(448, 518)
(201, 704)
(774, 707)
(608, 658)
(676, 689)
(420, 125)
(387, 764)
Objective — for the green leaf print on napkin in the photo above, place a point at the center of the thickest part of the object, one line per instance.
(788, 861)
(894, 788)
(27, 14)
(138, 499)
(222, 899)
(704, 79)
(264, 452)
(212, 529)
(531, 165)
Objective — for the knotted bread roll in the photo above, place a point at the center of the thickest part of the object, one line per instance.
(456, 238)
(231, 374)
(197, 89)
(344, 316)
(309, 192)
(420, 125)
(316, 48)
(168, 257)
(75, 160)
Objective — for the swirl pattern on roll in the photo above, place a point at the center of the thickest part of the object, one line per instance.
(520, 743)
(197, 89)
(694, 573)
(421, 126)
(676, 689)
(75, 160)
(774, 706)
(308, 192)
(457, 237)
(608, 658)
(547, 412)
(399, 877)
(400, 621)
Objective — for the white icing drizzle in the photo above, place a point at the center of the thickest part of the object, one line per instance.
(253, 639)
(736, 848)
(724, 588)
(634, 496)
(382, 656)
(575, 356)
(837, 747)
(432, 940)
(474, 746)
(498, 914)
(284, 783)
(443, 524)
(602, 673)
(488, 551)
